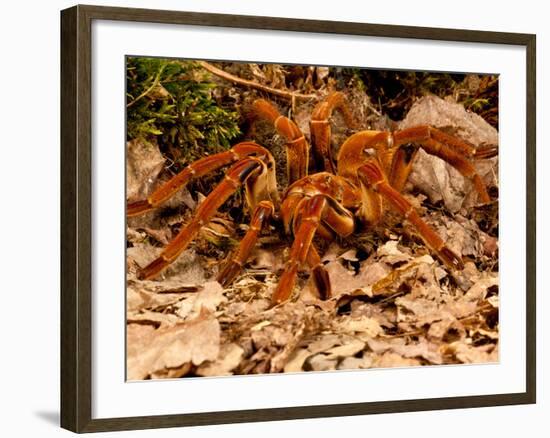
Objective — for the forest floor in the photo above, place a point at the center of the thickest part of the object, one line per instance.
(394, 304)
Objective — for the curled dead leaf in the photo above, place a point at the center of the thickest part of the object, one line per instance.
(209, 298)
(153, 353)
(363, 324)
(229, 358)
(470, 354)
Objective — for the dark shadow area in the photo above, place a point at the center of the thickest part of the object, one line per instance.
(51, 417)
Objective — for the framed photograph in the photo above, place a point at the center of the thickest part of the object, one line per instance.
(268, 218)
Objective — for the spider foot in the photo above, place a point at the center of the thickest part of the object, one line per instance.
(450, 259)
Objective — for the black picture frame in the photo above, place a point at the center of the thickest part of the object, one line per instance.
(76, 196)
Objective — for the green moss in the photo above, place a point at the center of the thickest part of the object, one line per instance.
(173, 101)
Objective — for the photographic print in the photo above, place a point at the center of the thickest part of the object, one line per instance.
(298, 218)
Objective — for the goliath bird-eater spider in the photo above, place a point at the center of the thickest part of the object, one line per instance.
(368, 174)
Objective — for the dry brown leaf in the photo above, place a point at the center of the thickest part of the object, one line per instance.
(187, 269)
(391, 254)
(332, 253)
(346, 281)
(323, 353)
(470, 354)
(491, 334)
(350, 255)
(390, 359)
(462, 236)
(413, 349)
(259, 326)
(320, 362)
(137, 299)
(350, 348)
(143, 165)
(163, 235)
(441, 329)
(271, 260)
(134, 236)
(172, 373)
(296, 360)
(364, 324)
(325, 342)
(422, 349)
(273, 335)
(156, 319)
(421, 311)
(384, 316)
(280, 359)
(155, 352)
(355, 363)
(229, 358)
(478, 291)
(494, 301)
(420, 267)
(209, 298)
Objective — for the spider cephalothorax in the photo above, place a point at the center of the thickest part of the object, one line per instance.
(370, 171)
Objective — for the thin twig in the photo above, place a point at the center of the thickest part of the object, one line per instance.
(151, 88)
(231, 78)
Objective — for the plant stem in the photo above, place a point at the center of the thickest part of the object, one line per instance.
(151, 88)
(229, 77)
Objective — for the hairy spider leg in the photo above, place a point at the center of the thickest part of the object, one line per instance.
(451, 149)
(372, 177)
(235, 177)
(310, 217)
(321, 131)
(195, 170)
(297, 148)
(262, 213)
(314, 207)
(320, 275)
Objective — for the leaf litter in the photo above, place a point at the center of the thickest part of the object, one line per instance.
(393, 304)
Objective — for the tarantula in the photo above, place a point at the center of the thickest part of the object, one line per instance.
(370, 171)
